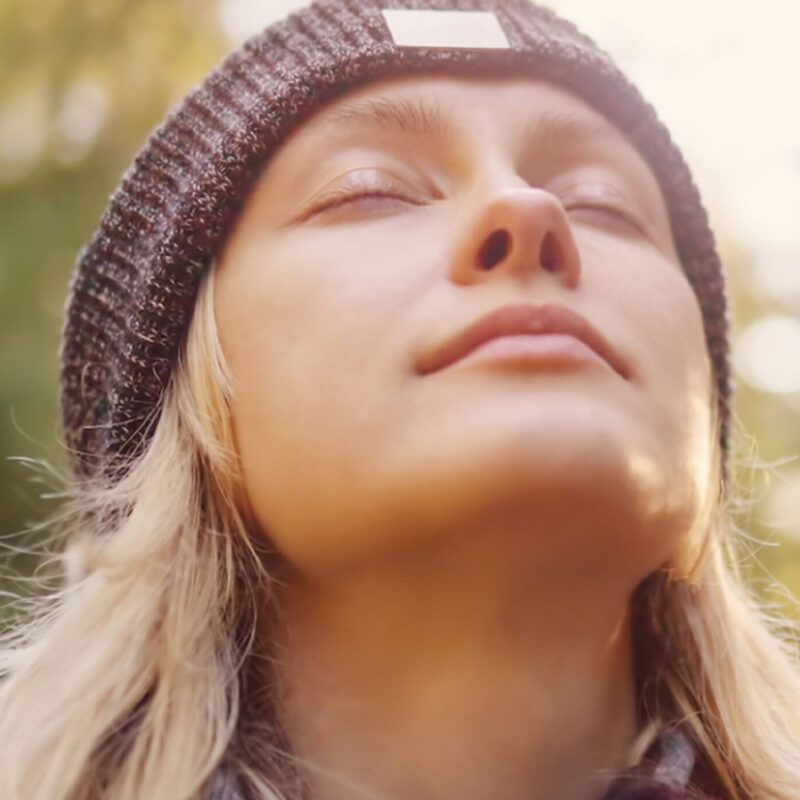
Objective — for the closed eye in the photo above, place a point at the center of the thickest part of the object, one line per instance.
(342, 197)
(365, 187)
(605, 201)
(610, 211)
(379, 193)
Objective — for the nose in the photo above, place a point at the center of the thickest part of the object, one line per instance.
(518, 231)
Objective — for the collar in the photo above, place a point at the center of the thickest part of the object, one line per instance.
(669, 770)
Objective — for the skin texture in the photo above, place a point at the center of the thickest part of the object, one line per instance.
(462, 544)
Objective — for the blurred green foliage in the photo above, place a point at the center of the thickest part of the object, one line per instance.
(137, 57)
(81, 84)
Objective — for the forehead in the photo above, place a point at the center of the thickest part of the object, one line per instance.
(451, 110)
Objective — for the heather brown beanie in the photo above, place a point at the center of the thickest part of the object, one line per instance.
(132, 292)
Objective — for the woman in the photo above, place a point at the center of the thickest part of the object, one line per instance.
(395, 384)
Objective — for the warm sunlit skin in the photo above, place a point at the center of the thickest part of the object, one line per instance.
(464, 543)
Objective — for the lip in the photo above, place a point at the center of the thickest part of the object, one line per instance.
(515, 319)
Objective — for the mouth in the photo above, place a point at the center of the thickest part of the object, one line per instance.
(519, 322)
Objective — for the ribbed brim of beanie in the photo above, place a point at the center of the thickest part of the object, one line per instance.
(132, 292)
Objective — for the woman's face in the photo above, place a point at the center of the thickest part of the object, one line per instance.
(474, 194)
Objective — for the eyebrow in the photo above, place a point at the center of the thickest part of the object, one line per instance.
(423, 119)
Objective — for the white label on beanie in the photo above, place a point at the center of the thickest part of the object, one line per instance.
(438, 28)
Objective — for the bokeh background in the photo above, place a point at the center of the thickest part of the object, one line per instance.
(82, 82)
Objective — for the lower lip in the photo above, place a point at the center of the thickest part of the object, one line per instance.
(538, 349)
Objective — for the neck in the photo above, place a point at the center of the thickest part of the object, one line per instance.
(448, 674)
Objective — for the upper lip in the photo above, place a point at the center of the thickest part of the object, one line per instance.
(521, 318)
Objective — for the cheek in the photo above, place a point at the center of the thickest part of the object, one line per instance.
(659, 320)
(675, 374)
(313, 342)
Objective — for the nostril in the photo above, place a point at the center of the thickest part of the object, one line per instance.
(549, 254)
(494, 249)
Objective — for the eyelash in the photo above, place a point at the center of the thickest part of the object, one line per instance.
(341, 197)
(615, 211)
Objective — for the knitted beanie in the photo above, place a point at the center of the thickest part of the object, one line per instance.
(132, 291)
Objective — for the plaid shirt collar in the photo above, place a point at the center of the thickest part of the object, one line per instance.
(669, 770)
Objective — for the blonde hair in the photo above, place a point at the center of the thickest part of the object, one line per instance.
(127, 681)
